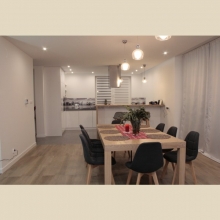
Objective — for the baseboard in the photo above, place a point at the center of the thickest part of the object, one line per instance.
(41, 135)
(2, 170)
(209, 156)
(68, 129)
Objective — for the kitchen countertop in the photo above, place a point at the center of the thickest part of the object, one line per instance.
(81, 108)
(133, 105)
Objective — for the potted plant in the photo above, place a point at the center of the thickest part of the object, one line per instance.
(135, 116)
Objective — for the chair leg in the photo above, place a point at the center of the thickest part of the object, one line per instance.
(164, 169)
(193, 172)
(173, 166)
(139, 178)
(150, 179)
(129, 154)
(174, 175)
(113, 180)
(154, 175)
(129, 177)
(89, 174)
(114, 154)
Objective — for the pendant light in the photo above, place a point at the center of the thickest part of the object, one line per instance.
(144, 79)
(125, 65)
(137, 54)
(163, 37)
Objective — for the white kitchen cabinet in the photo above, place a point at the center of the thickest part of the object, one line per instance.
(72, 119)
(85, 118)
(94, 119)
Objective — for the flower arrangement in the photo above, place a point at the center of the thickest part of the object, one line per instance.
(135, 116)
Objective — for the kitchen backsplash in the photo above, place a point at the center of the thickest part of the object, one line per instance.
(80, 101)
(138, 101)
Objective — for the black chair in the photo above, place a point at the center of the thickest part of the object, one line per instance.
(192, 143)
(147, 160)
(95, 149)
(116, 121)
(172, 131)
(118, 115)
(92, 161)
(95, 141)
(160, 127)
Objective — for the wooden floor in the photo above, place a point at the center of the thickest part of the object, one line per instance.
(59, 160)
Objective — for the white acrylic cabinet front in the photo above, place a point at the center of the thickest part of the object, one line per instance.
(72, 119)
(85, 118)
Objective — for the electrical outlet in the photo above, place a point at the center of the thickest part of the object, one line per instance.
(14, 150)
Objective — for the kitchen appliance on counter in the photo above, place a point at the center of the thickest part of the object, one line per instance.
(76, 106)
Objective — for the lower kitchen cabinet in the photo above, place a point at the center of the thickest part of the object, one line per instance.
(76, 118)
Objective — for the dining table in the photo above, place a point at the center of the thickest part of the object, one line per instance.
(114, 138)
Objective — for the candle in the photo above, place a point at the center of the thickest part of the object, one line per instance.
(127, 128)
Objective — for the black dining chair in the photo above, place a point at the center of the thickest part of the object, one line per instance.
(192, 144)
(116, 121)
(172, 132)
(95, 141)
(160, 127)
(92, 161)
(147, 160)
(95, 149)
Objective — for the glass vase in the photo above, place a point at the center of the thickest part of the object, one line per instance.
(136, 124)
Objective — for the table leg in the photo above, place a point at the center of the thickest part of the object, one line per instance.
(181, 161)
(108, 168)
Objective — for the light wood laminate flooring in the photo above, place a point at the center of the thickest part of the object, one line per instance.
(59, 160)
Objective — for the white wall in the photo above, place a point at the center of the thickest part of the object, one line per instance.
(62, 81)
(80, 85)
(164, 82)
(136, 84)
(39, 100)
(16, 119)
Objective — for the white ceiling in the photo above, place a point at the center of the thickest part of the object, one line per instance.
(94, 53)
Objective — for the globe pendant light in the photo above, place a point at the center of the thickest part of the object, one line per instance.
(137, 54)
(144, 79)
(125, 65)
(163, 37)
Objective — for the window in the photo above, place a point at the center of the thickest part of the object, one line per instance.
(120, 95)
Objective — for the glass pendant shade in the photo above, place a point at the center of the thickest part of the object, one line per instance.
(125, 66)
(144, 80)
(162, 37)
(137, 54)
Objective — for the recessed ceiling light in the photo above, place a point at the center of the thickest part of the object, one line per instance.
(141, 67)
(71, 72)
(132, 73)
(70, 69)
(136, 70)
(44, 48)
(68, 66)
(92, 72)
(165, 52)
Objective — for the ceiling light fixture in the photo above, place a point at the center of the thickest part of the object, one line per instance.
(132, 73)
(125, 65)
(137, 54)
(68, 66)
(144, 79)
(163, 37)
(71, 72)
(165, 52)
(70, 69)
(136, 70)
(44, 48)
(92, 72)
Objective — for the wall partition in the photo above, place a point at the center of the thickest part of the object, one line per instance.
(200, 102)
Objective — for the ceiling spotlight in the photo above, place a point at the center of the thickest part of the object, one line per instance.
(92, 72)
(44, 48)
(144, 80)
(132, 73)
(141, 67)
(163, 37)
(136, 70)
(71, 72)
(165, 53)
(68, 66)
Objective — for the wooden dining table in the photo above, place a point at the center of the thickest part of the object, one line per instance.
(132, 145)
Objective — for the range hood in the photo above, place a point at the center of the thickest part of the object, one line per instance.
(114, 72)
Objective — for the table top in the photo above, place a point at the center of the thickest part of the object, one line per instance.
(132, 144)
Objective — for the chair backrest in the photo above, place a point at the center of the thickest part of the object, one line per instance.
(81, 127)
(160, 127)
(172, 131)
(116, 121)
(86, 151)
(119, 115)
(148, 158)
(85, 134)
(192, 144)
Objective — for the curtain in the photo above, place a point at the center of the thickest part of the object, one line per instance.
(212, 148)
(201, 104)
